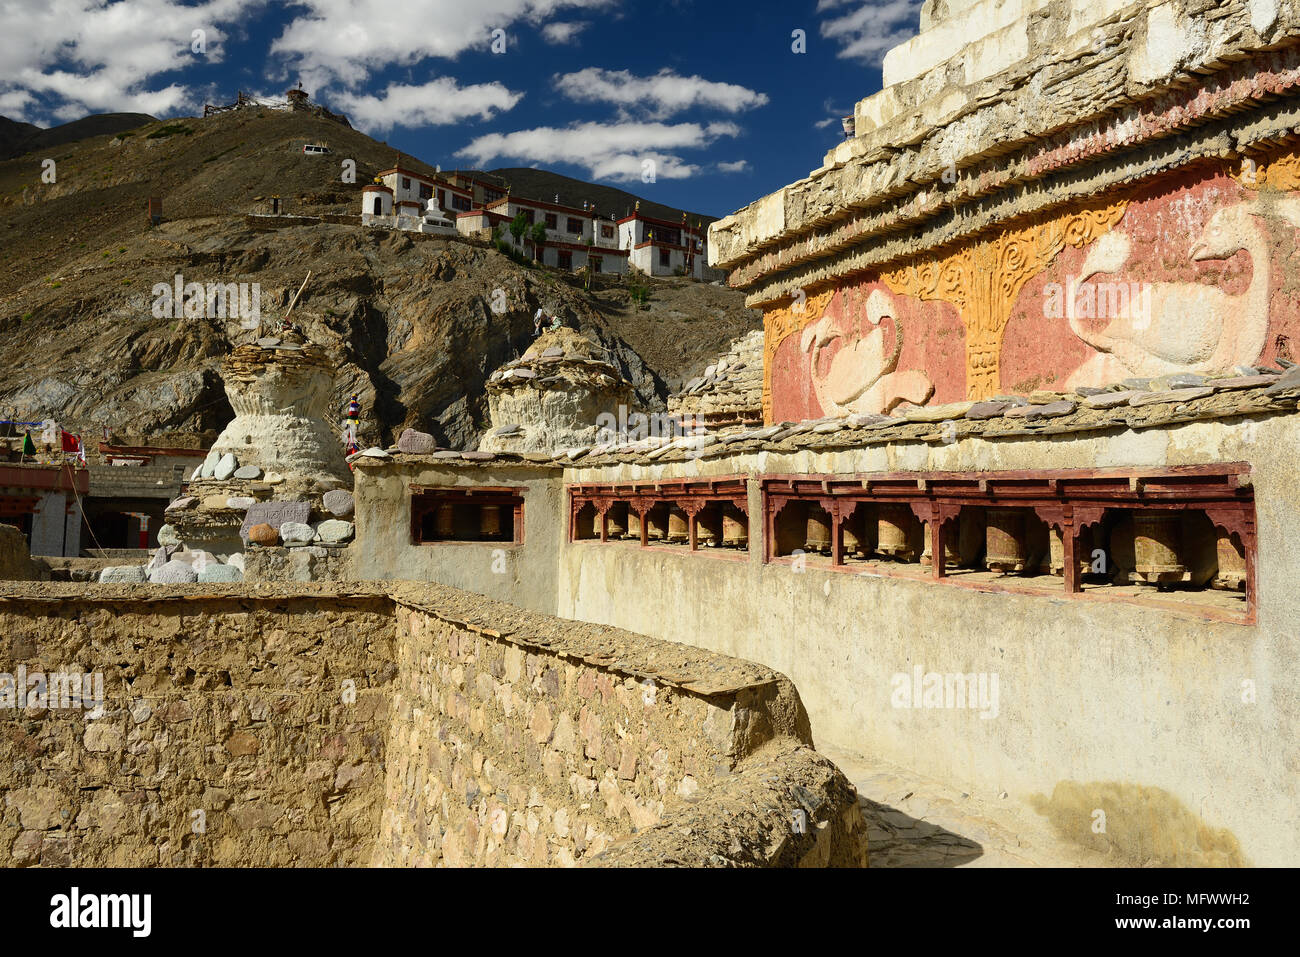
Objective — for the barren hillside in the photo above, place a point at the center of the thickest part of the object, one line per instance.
(408, 318)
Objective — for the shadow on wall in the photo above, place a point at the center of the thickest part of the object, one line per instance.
(1140, 825)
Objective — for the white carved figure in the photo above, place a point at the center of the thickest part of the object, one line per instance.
(862, 376)
(1183, 326)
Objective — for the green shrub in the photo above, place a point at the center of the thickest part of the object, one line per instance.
(171, 129)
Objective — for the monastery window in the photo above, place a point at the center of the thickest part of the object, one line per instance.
(406, 182)
(461, 203)
(1183, 536)
(665, 257)
(552, 221)
(574, 226)
(606, 232)
(709, 516)
(565, 259)
(466, 514)
(595, 263)
(426, 191)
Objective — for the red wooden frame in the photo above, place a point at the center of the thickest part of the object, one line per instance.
(426, 498)
(1067, 500)
(691, 495)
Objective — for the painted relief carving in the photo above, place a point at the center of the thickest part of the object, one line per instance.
(1192, 271)
(1175, 327)
(777, 326)
(862, 374)
(984, 280)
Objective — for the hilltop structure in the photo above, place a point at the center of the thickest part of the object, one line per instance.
(401, 198)
(295, 100)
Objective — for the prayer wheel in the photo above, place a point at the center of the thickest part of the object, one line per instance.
(1004, 540)
(893, 523)
(969, 540)
(708, 526)
(657, 523)
(1082, 552)
(616, 522)
(818, 538)
(489, 521)
(633, 525)
(446, 520)
(1157, 542)
(735, 529)
(851, 543)
(678, 527)
(1232, 564)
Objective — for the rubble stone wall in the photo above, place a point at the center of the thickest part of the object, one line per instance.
(226, 739)
(541, 742)
(313, 725)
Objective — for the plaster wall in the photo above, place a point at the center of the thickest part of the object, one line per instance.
(1141, 712)
(524, 575)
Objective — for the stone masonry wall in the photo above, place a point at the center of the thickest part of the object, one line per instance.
(231, 706)
(411, 724)
(622, 730)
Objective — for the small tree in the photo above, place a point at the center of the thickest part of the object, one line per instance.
(538, 236)
(519, 226)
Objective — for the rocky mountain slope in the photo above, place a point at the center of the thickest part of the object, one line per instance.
(407, 319)
(19, 138)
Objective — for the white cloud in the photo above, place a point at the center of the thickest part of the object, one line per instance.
(435, 103)
(97, 56)
(738, 166)
(345, 40)
(870, 30)
(560, 32)
(616, 151)
(660, 95)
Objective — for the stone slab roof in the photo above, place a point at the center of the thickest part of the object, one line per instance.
(1132, 404)
(732, 384)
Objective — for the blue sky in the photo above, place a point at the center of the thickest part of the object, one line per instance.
(708, 95)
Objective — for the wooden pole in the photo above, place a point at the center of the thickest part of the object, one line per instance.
(293, 302)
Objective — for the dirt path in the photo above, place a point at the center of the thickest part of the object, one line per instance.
(918, 822)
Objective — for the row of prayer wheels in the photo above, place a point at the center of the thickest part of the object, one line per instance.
(717, 524)
(1158, 547)
(488, 523)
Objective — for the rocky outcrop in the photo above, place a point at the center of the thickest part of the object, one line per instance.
(413, 324)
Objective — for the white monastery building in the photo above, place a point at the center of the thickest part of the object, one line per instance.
(447, 203)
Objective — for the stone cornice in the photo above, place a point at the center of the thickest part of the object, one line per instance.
(1010, 140)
